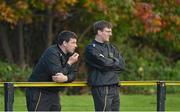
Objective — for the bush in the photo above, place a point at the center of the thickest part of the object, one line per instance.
(144, 63)
(12, 73)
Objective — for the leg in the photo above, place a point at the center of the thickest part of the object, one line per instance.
(29, 100)
(36, 100)
(102, 100)
(116, 99)
(55, 100)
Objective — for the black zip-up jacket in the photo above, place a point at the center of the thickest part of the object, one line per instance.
(52, 61)
(104, 64)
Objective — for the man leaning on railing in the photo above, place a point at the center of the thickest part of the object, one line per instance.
(55, 65)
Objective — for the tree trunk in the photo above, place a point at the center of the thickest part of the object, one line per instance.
(4, 43)
(49, 27)
(21, 61)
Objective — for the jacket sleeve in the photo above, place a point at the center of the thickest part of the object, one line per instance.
(95, 59)
(71, 71)
(54, 65)
(119, 58)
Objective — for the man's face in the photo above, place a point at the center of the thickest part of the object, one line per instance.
(105, 34)
(71, 45)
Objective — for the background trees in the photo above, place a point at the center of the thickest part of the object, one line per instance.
(147, 32)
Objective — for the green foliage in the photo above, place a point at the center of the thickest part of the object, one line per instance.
(37, 4)
(144, 62)
(11, 72)
(148, 64)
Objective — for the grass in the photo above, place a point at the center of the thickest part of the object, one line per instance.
(134, 102)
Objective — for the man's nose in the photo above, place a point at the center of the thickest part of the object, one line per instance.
(110, 34)
(75, 45)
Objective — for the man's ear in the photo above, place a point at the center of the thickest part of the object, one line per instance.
(99, 32)
(64, 43)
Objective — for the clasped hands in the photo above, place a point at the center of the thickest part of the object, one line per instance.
(59, 77)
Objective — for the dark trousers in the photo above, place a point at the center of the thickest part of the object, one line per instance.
(37, 100)
(106, 98)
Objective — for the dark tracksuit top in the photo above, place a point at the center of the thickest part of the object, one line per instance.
(104, 64)
(52, 61)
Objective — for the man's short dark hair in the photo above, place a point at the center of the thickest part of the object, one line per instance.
(65, 36)
(100, 25)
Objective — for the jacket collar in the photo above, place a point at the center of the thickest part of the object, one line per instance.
(96, 42)
(61, 50)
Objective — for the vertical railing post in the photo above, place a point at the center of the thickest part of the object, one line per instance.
(161, 96)
(9, 96)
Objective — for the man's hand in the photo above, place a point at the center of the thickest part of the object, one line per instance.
(72, 59)
(59, 77)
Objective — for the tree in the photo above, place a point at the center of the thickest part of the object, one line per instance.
(16, 13)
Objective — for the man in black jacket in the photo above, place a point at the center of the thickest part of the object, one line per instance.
(55, 65)
(104, 64)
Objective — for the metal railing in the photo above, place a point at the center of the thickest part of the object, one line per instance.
(161, 89)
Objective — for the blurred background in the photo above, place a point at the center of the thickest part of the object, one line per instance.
(146, 32)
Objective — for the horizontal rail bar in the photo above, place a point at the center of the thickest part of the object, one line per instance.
(83, 83)
(138, 83)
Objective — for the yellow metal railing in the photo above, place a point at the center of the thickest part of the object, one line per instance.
(161, 89)
(83, 83)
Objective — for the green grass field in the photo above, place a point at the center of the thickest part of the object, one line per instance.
(135, 102)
